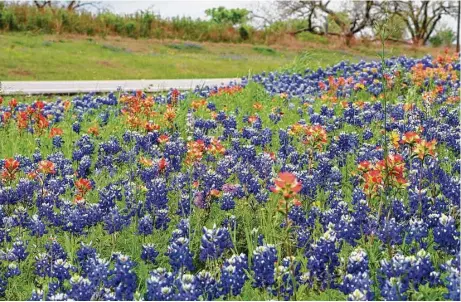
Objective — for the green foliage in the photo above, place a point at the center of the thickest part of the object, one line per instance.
(264, 50)
(333, 27)
(243, 32)
(427, 293)
(233, 16)
(398, 27)
(444, 37)
(310, 37)
(23, 16)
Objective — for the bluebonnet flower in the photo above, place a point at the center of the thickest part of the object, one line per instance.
(20, 250)
(357, 282)
(391, 232)
(156, 196)
(42, 265)
(227, 201)
(446, 235)
(394, 290)
(347, 229)
(83, 169)
(145, 225)
(37, 295)
(160, 286)
(115, 222)
(287, 278)
(207, 285)
(323, 259)
(264, 259)
(188, 288)
(233, 275)
(180, 254)
(214, 242)
(148, 253)
(84, 254)
(97, 270)
(122, 278)
(12, 270)
(76, 127)
(453, 279)
(358, 261)
(184, 205)
(81, 289)
(57, 141)
(61, 270)
(395, 276)
(161, 218)
(417, 231)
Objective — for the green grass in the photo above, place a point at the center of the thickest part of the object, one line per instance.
(41, 57)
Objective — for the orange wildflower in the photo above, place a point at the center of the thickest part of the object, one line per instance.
(55, 131)
(46, 167)
(93, 130)
(83, 185)
(287, 184)
(425, 148)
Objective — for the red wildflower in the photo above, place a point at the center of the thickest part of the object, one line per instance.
(83, 185)
(287, 184)
(55, 132)
(46, 167)
(163, 139)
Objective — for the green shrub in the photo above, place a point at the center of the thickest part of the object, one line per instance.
(244, 34)
(444, 37)
(264, 50)
(310, 37)
(130, 29)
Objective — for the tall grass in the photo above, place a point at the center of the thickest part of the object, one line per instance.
(142, 24)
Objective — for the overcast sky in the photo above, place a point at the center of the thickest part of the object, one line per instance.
(196, 8)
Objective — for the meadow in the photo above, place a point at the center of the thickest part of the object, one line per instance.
(336, 183)
(28, 56)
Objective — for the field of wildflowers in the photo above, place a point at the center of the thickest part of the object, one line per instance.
(332, 184)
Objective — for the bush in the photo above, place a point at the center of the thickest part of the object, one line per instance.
(444, 37)
(244, 34)
(264, 50)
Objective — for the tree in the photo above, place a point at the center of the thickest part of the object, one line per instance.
(421, 17)
(355, 16)
(69, 5)
(306, 10)
(42, 4)
(232, 16)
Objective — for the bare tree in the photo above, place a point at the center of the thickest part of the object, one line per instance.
(306, 10)
(360, 14)
(69, 5)
(42, 4)
(421, 17)
(265, 13)
(75, 5)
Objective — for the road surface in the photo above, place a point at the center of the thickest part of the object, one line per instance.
(67, 87)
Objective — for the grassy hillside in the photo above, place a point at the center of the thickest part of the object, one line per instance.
(51, 57)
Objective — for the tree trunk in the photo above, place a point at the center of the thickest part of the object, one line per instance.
(349, 37)
(417, 41)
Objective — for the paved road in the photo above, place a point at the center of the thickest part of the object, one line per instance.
(64, 87)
